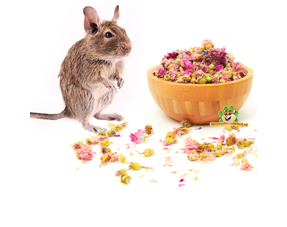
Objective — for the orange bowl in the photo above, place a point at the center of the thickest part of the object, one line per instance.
(198, 103)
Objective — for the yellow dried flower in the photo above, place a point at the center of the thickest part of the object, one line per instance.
(222, 81)
(125, 178)
(119, 127)
(244, 160)
(135, 166)
(240, 144)
(219, 153)
(113, 128)
(208, 46)
(170, 141)
(167, 77)
(211, 145)
(239, 155)
(110, 133)
(178, 75)
(228, 128)
(105, 143)
(202, 146)
(211, 72)
(102, 133)
(235, 127)
(219, 144)
(212, 66)
(148, 152)
(105, 158)
(202, 155)
(122, 158)
(170, 136)
(148, 129)
(89, 141)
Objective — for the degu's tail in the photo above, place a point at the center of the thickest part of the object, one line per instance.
(46, 116)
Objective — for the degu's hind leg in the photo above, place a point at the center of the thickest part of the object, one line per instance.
(103, 103)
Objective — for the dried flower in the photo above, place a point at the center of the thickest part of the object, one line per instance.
(246, 166)
(185, 124)
(105, 142)
(148, 152)
(105, 158)
(240, 144)
(138, 137)
(101, 133)
(193, 156)
(244, 160)
(219, 153)
(135, 166)
(85, 153)
(125, 178)
(149, 129)
(106, 150)
(77, 145)
(122, 158)
(239, 155)
(231, 140)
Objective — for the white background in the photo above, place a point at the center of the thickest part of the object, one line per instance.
(40, 184)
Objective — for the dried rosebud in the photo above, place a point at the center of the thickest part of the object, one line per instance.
(148, 152)
(122, 158)
(246, 166)
(135, 166)
(125, 178)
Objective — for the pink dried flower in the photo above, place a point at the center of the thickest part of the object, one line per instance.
(209, 156)
(171, 55)
(246, 166)
(137, 137)
(113, 157)
(161, 71)
(181, 180)
(199, 73)
(185, 72)
(205, 68)
(206, 42)
(192, 156)
(221, 138)
(216, 80)
(219, 67)
(187, 64)
(85, 153)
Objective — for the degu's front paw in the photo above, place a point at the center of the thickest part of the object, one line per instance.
(110, 85)
(120, 82)
(116, 117)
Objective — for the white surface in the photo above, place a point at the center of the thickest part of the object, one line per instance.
(42, 187)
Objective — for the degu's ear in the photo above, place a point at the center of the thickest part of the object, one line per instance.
(116, 14)
(91, 21)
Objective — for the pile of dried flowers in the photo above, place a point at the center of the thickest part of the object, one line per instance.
(200, 65)
(209, 152)
(114, 129)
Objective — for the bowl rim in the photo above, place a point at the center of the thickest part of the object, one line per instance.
(248, 76)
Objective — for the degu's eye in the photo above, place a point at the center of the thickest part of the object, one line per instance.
(109, 35)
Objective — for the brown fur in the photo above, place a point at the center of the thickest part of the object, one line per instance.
(90, 70)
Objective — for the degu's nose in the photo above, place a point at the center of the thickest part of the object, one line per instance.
(128, 50)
